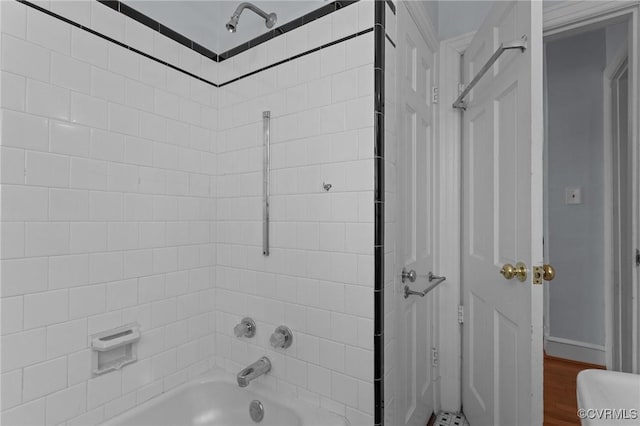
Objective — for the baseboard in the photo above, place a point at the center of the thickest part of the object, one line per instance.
(575, 350)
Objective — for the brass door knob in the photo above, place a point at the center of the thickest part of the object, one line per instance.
(509, 271)
(548, 273)
(521, 271)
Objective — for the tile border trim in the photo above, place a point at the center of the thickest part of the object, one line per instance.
(299, 55)
(145, 20)
(112, 40)
(176, 68)
(378, 208)
(390, 41)
(132, 13)
(392, 6)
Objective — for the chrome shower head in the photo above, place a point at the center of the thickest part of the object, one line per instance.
(232, 24)
(270, 19)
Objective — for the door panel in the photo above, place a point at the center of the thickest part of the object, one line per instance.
(480, 378)
(415, 173)
(480, 176)
(502, 176)
(505, 225)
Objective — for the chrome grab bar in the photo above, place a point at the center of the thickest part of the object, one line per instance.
(266, 134)
(435, 279)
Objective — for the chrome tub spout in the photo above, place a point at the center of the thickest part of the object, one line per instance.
(257, 369)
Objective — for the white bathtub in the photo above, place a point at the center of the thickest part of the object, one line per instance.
(216, 399)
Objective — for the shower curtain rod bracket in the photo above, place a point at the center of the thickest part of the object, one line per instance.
(518, 44)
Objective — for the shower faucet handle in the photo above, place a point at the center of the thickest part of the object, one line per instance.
(282, 337)
(246, 328)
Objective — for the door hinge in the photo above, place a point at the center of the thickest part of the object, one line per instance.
(435, 94)
(434, 357)
(460, 314)
(637, 257)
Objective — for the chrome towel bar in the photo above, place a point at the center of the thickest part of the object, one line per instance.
(434, 279)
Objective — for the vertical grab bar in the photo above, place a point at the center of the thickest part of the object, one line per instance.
(266, 134)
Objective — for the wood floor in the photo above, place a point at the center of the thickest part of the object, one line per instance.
(560, 404)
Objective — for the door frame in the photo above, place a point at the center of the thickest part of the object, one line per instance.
(556, 19)
(448, 237)
(562, 20)
(610, 73)
(428, 33)
(557, 346)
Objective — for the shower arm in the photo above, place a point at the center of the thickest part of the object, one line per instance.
(251, 7)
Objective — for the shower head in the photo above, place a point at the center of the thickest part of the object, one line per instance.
(269, 18)
(232, 24)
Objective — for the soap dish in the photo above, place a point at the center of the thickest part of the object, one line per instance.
(115, 348)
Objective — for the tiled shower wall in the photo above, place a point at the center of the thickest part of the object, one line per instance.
(121, 194)
(108, 208)
(318, 277)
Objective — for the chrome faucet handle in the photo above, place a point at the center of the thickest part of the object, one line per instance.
(246, 328)
(281, 338)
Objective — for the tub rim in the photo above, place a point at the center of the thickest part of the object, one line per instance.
(310, 414)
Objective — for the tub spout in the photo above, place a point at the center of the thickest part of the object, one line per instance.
(257, 369)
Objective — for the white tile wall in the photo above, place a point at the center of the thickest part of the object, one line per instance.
(89, 218)
(131, 192)
(318, 278)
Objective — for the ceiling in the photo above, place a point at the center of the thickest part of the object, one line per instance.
(203, 21)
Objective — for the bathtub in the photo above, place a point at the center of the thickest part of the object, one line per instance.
(216, 399)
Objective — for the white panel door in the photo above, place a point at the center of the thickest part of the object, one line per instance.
(416, 314)
(502, 221)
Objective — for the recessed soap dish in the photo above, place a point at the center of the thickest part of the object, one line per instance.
(115, 348)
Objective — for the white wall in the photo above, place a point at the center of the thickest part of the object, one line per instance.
(575, 149)
(616, 37)
(457, 17)
(108, 184)
(460, 17)
(123, 200)
(432, 9)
